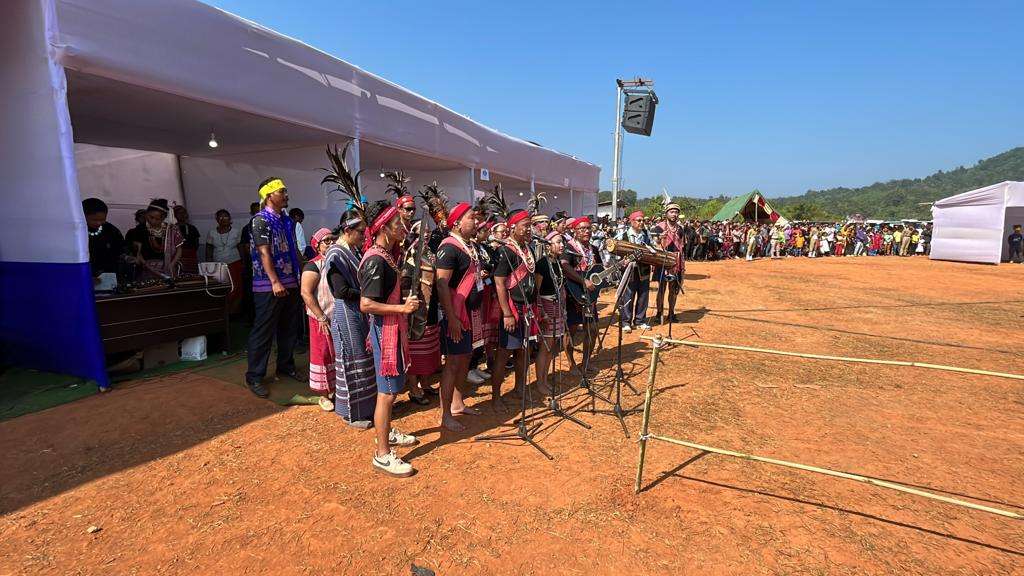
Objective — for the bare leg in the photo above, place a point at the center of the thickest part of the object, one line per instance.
(382, 422)
(673, 296)
(454, 366)
(543, 365)
(501, 356)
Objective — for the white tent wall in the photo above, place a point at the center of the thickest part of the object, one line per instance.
(49, 322)
(230, 181)
(972, 226)
(126, 179)
(456, 183)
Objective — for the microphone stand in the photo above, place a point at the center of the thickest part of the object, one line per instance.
(554, 406)
(616, 408)
(521, 431)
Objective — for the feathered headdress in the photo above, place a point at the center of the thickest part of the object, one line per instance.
(397, 181)
(435, 199)
(536, 199)
(343, 180)
(493, 203)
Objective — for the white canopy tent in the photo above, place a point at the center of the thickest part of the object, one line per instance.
(973, 226)
(99, 93)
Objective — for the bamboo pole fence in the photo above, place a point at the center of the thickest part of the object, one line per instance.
(658, 342)
(697, 344)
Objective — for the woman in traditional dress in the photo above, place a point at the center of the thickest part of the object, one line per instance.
(381, 298)
(355, 384)
(550, 281)
(316, 293)
(155, 243)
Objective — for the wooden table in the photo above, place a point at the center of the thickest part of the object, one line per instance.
(135, 321)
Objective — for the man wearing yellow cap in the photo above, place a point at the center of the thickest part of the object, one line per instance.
(275, 286)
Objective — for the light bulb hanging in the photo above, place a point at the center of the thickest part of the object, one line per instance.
(213, 140)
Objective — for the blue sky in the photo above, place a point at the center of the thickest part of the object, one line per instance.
(780, 96)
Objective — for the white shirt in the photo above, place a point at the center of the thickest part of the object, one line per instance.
(300, 237)
(225, 246)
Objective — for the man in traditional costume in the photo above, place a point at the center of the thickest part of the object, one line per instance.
(633, 307)
(275, 286)
(460, 291)
(514, 282)
(578, 258)
(670, 278)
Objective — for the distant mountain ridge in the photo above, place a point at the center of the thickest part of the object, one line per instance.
(903, 198)
(890, 200)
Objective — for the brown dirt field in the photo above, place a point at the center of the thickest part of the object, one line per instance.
(191, 474)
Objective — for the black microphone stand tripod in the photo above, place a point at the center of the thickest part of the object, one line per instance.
(616, 408)
(554, 406)
(521, 430)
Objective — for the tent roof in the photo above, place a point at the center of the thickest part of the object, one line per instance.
(190, 51)
(731, 207)
(1006, 193)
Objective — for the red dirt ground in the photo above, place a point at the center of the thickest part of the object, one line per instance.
(191, 474)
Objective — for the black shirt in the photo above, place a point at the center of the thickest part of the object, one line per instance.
(377, 278)
(452, 258)
(191, 236)
(571, 260)
(550, 276)
(508, 261)
(140, 234)
(105, 249)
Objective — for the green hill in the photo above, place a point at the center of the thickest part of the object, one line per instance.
(883, 200)
(902, 198)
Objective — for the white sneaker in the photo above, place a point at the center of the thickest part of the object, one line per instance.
(326, 404)
(391, 464)
(396, 438)
(626, 328)
(474, 378)
(644, 327)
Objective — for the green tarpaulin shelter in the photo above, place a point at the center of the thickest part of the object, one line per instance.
(749, 207)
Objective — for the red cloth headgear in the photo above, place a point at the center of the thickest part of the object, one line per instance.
(638, 215)
(379, 222)
(318, 237)
(578, 221)
(518, 217)
(403, 200)
(457, 213)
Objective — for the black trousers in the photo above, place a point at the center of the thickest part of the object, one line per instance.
(274, 316)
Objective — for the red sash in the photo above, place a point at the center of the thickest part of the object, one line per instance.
(670, 238)
(465, 287)
(394, 338)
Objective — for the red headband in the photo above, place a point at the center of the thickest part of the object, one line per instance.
(578, 221)
(402, 200)
(456, 214)
(518, 217)
(638, 215)
(379, 222)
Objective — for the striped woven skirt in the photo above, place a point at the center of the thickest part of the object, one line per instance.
(425, 353)
(355, 377)
(551, 317)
